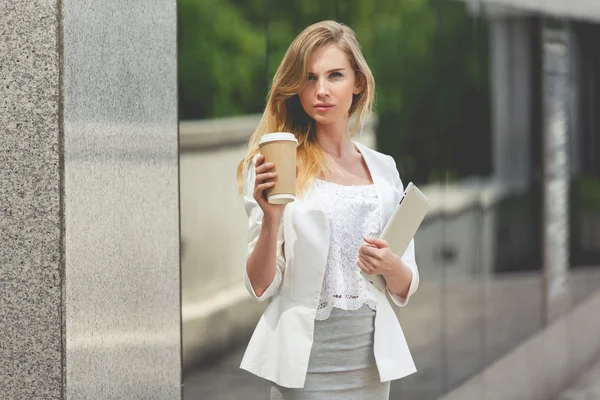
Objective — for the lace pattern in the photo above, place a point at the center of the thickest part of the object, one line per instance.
(353, 212)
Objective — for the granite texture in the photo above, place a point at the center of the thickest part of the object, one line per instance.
(30, 223)
(122, 287)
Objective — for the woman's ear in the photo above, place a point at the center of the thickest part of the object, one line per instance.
(359, 84)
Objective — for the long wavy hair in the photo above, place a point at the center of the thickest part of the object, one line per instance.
(284, 112)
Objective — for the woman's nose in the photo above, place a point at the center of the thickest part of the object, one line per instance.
(322, 89)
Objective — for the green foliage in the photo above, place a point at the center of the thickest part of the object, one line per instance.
(433, 104)
(589, 193)
(429, 59)
(221, 59)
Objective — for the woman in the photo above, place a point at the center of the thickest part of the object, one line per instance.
(327, 333)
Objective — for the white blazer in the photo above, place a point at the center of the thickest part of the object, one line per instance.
(280, 347)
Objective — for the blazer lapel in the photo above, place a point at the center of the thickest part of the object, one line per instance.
(382, 184)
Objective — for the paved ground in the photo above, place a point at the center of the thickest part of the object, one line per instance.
(453, 332)
(586, 388)
(223, 381)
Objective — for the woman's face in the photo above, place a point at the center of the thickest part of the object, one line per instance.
(327, 96)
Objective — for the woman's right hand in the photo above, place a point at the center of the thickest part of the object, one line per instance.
(264, 172)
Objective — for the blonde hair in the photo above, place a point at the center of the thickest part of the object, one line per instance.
(284, 112)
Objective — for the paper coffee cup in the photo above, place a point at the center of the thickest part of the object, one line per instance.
(280, 149)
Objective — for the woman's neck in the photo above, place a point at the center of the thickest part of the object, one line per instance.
(335, 140)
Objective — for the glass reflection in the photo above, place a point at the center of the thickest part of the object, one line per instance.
(461, 107)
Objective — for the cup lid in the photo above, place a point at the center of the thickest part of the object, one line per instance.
(271, 137)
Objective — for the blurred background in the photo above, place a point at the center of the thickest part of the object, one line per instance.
(489, 106)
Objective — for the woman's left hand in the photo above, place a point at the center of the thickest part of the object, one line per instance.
(376, 258)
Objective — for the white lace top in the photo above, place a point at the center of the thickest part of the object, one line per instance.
(353, 212)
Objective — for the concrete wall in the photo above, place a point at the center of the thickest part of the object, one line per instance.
(575, 9)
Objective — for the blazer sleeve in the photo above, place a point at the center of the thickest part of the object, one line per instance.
(255, 217)
(408, 258)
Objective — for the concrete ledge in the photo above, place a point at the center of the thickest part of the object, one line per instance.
(544, 365)
(206, 134)
(456, 197)
(218, 324)
(203, 135)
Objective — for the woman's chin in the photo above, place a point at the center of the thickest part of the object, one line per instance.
(324, 119)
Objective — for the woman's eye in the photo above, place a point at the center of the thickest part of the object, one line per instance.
(332, 75)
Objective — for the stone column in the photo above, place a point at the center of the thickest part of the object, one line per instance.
(556, 167)
(31, 221)
(89, 224)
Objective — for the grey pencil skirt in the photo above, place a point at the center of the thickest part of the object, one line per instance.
(342, 363)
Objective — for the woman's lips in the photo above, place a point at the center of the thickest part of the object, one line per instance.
(323, 108)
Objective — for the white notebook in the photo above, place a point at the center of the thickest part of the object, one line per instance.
(402, 226)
